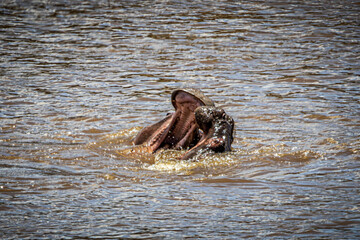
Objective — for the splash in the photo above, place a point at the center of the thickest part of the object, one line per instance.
(243, 156)
(238, 159)
(205, 163)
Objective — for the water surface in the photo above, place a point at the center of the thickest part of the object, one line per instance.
(80, 78)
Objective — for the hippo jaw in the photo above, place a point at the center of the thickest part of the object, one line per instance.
(177, 130)
(218, 130)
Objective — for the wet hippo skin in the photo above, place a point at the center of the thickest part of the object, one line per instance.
(196, 124)
(218, 130)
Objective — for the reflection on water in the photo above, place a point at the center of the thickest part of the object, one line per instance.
(80, 79)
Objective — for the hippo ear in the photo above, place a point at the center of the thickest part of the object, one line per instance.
(146, 133)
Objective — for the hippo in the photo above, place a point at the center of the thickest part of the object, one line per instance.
(196, 125)
(217, 128)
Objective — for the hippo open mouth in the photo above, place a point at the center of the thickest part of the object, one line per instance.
(180, 130)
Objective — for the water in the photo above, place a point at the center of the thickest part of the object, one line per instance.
(80, 78)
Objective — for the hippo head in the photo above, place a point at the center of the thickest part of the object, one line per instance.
(178, 130)
(196, 124)
(218, 131)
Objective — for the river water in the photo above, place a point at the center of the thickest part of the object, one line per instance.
(80, 78)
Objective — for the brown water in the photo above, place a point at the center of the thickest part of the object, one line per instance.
(80, 78)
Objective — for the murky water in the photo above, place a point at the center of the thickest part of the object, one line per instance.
(80, 78)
